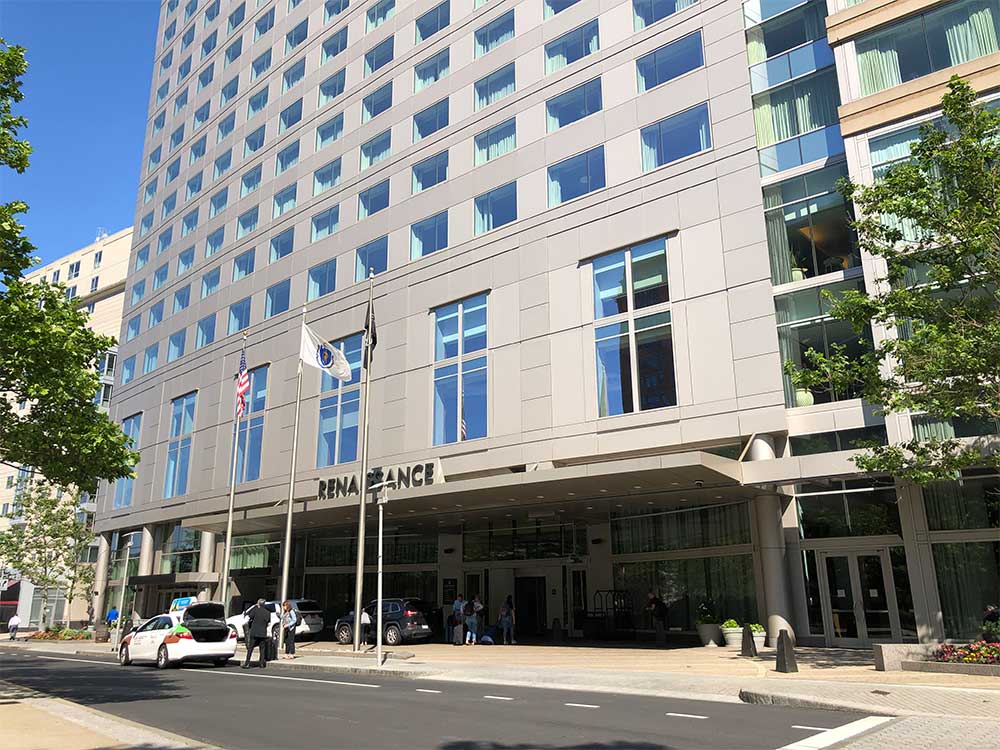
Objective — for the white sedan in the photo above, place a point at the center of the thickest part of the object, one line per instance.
(197, 632)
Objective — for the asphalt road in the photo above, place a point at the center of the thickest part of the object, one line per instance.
(274, 708)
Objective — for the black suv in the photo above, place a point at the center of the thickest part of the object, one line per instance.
(402, 620)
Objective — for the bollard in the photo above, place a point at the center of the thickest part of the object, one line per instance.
(786, 654)
(749, 646)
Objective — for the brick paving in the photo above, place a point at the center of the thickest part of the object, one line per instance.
(926, 733)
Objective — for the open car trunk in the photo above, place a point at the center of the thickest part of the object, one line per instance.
(206, 621)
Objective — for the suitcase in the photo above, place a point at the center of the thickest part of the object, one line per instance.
(270, 649)
(458, 637)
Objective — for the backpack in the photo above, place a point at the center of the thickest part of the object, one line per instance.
(469, 609)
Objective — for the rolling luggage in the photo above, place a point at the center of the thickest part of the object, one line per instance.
(270, 649)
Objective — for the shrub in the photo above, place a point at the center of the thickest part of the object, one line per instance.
(977, 652)
(991, 631)
(756, 627)
(61, 634)
(706, 614)
(730, 623)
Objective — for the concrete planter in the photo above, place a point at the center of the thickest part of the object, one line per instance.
(758, 640)
(983, 670)
(733, 636)
(710, 634)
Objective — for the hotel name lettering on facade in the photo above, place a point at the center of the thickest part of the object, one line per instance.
(395, 478)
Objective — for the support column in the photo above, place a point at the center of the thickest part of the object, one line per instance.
(146, 552)
(101, 576)
(771, 546)
(206, 562)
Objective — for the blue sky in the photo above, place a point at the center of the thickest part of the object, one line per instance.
(86, 95)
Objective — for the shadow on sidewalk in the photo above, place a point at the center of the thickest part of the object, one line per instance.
(826, 658)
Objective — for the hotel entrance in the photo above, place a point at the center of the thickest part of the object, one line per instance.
(858, 596)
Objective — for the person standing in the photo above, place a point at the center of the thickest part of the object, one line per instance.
(458, 620)
(658, 610)
(506, 621)
(258, 623)
(12, 625)
(289, 621)
(472, 610)
(112, 616)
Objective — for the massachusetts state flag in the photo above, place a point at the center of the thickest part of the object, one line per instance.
(242, 385)
(322, 355)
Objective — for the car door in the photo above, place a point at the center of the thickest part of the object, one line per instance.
(141, 646)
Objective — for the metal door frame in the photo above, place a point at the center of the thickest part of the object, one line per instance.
(852, 555)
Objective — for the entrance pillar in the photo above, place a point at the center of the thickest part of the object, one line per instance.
(206, 562)
(145, 569)
(771, 548)
(101, 576)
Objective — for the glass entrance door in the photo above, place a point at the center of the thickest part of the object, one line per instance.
(859, 601)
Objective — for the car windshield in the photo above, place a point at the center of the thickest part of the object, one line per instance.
(418, 604)
(205, 611)
(308, 605)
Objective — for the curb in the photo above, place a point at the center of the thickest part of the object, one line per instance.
(761, 698)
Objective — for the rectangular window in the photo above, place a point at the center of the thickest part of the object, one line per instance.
(210, 282)
(141, 258)
(155, 315)
(284, 200)
(499, 140)
(176, 138)
(495, 86)
(205, 332)
(223, 163)
(160, 276)
(576, 176)
(433, 21)
(337, 441)
(373, 200)
(185, 259)
(496, 208)
(376, 102)
(282, 245)
(429, 235)
(164, 240)
(166, 62)
(201, 115)
(256, 102)
(573, 105)
(233, 51)
(211, 13)
(123, 487)
(460, 393)
(572, 46)
(552, 7)
(154, 159)
(243, 265)
(430, 120)
(254, 142)
(372, 257)
(631, 279)
(236, 18)
(293, 75)
(189, 223)
(647, 12)
(379, 13)
(250, 181)
(326, 177)
(209, 44)
(249, 441)
(329, 131)
(194, 186)
(650, 338)
(263, 24)
(670, 61)
(239, 316)
(290, 116)
(161, 93)
(378, 56)
(375, 150)
(333, 8)
(287, 158)
(804, 105)
(334, 45)
(175, 345)
(430, 172)
(247, 222)
(150, 191)
(149, 358)
(182, 298)
(175, 481)
(218, 203)
(332, 87)
(133, 327)
(675, 137)
(260, 65)
(197, 150)
(296, 36)
(431, 70)
(172, 171)
(205, 77)
(183, 71)
(276, 299)
(169, 32)
(128, 370)
(495, 33)
(226, 126)
(325, 223)
(214, 241)
(322, 279)
(168, 205)
(229, 91)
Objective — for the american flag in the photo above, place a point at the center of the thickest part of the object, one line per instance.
(242, 385)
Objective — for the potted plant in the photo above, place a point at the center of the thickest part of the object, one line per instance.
(759, 634)
(733, 633)
(708, 625)
(798, 273)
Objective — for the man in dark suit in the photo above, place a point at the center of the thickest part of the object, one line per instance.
(258, 623)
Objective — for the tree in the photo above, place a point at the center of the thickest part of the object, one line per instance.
(44, 544)
(47, 353)
(79, 571)
(933, 220)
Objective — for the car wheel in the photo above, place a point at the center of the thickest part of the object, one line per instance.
(124, 658)
(393, 636)
(344, 635)
(162, 658)
(221, 662)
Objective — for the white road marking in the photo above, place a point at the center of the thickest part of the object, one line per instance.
(83, 661)
(811, 729)
(581, 705)
(498, 697)
(425, 690)
(687, 716)
(837, 735)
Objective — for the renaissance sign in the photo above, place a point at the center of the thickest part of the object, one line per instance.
(395, 478)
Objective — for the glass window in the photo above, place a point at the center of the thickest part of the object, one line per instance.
(276, 299)
(496, 208)
(243, 264)
(855, 509)
(373, 256)
(293, 75)
(204, 332)
(375, 150)
(218, 203)
(175, 345)
(646, 12)
(162, 91)
(181, 101)
(497, 141)
(282, 245)
(970, 502)
(128, 369)
(168, 205)
(378, 56)
(247, 222)
(552, 7)
(154, 159)
(332, 87)
(236, 18)
(576, 176)
(322, 279)
(158, 122)
(254, 142)
(329, 131)
(175, 481)
(183, 70)
(209, 44)
(205, 77)
(226, 126)
(160, 276)
(251, 430)
(430, 172)
(631, 279)
(460, 395)
(233, 51)
(325, 223)
(376, 102)
(211, 13)
(495, 33)
(223, 163)
(337, 441)
(164, 240)
(263, 24)
(182, 298)
(804, 105)
(968, 578)
(431, 70)
(189, 223)
(173, 170)
(333, 8)
(433, 21)
(141, 257)
(194, 186)
(149, 358)
(210, 282)
(670, 61)
(239, 315)
(185, 260)
(133, 327)
(155, 315)
(429, 235)
(260, 65)
(654, 387)
(430, 120)
(326, 177)
(250, 181)
(571, 46)
(256, 102)
(177, 137)
(373, 200)
(495, 86)
(131, 426)
(334, 45)
(379, 13)
(573, 105)
(229, 91)
(197, 150)
(675, 137)
(214, 241)
(288, 157)
(290, 116)
(150, 191)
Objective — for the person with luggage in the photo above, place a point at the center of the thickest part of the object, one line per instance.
(258, 623)
(458, 620)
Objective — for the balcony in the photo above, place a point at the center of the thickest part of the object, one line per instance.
(804, 149)
(808, 58)
(758, 11)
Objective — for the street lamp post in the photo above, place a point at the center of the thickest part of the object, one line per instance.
(121, 595)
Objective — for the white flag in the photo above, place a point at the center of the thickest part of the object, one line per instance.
(320, 354)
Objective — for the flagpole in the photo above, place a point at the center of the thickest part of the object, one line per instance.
(232, 501)
(365, 382)
(291, 494)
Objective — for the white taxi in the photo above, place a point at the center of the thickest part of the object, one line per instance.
(190, 631)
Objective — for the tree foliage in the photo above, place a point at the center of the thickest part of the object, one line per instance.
(932, 223)
(47, 353)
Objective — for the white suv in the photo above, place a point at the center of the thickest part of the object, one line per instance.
(309, 612)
